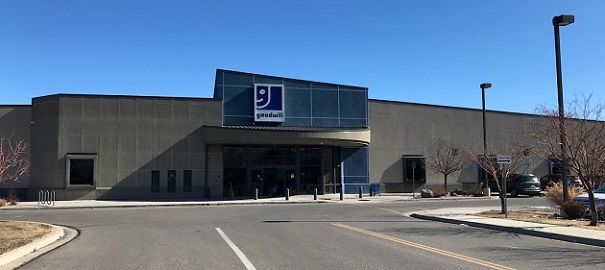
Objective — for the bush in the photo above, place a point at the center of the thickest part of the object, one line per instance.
(3, 202)
(475, 192)
(439, 193)
(12, 199)
(459, 192)
(573, 209)
(554, 193)
(601, 212)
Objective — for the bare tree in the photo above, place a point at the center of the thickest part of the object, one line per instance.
(14, 159)
(444, 158)
(585, 138)
(521, 154)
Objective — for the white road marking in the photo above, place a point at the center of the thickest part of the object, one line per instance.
(237, 251)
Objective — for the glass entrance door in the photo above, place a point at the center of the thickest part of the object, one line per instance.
(275, 181)
(290, 181)
(271, 181)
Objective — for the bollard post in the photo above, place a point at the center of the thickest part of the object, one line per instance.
(360, 192)
(315, 194)
(287, 194)
(342, 193)
(256, 194)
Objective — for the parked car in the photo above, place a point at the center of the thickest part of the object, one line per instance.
(599, 199)
(526, 184)
(551, 179)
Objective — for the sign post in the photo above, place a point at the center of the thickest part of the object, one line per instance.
(504, 160)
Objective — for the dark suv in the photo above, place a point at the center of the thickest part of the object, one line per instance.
(549, 180)
(527, 184)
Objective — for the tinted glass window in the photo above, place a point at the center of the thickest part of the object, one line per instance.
(81, 171)
(414, 169)
(171, 181)
(187, 181)
(155, 181)
(528, 178)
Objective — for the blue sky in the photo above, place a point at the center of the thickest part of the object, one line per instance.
(421, 51)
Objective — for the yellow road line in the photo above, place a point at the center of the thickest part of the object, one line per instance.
(427, 248)
(380, 208)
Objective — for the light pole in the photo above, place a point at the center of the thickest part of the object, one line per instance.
(483, 87)
(561, 20)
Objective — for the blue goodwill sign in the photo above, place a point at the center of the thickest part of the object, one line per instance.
(269, 103)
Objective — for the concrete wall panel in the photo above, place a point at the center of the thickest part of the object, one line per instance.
(407, 129)
(109, 145)
(107, 178)
(110, 108)
(91, 108)
(128, 108)
(90, 144)
(130, 135)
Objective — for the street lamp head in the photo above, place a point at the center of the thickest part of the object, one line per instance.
(485, 85)
(562, 20)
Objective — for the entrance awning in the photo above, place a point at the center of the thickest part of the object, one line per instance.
(346, 137)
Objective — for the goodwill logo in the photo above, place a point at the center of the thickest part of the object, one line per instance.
(269, 103)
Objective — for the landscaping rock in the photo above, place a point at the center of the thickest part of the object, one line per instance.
(427, 193)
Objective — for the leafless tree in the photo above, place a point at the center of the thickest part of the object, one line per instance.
(14, 159)
(521, 153)
(444, 158)
(585, 138)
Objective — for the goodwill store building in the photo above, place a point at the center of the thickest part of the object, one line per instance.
(258, 132)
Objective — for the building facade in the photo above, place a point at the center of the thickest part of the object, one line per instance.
(257, 133)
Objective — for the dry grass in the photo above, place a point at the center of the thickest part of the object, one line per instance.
(544, 217)
(14, 234)
(554, 193)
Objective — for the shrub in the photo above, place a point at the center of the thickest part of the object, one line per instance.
(573, 209)
(554, 193)
(475, 192)
(3, 202)
(459, 192)
(601, 212)
(12, 199)
(439, 193)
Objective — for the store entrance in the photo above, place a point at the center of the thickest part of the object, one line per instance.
(273, 169)
(274, 181)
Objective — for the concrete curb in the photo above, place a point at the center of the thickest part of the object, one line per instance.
(519, 230)
(32, 247)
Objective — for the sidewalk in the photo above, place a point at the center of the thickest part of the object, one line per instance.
(461, 216)
(464, 216)
(305, 198)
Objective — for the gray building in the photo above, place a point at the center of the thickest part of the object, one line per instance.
(257, 132)
(15, 124)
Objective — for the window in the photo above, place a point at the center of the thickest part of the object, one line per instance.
(155, 181)
(80, 170)
(414, 169)
(187, 181)
(171, 181)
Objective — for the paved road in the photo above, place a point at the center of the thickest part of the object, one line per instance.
(323, 236)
